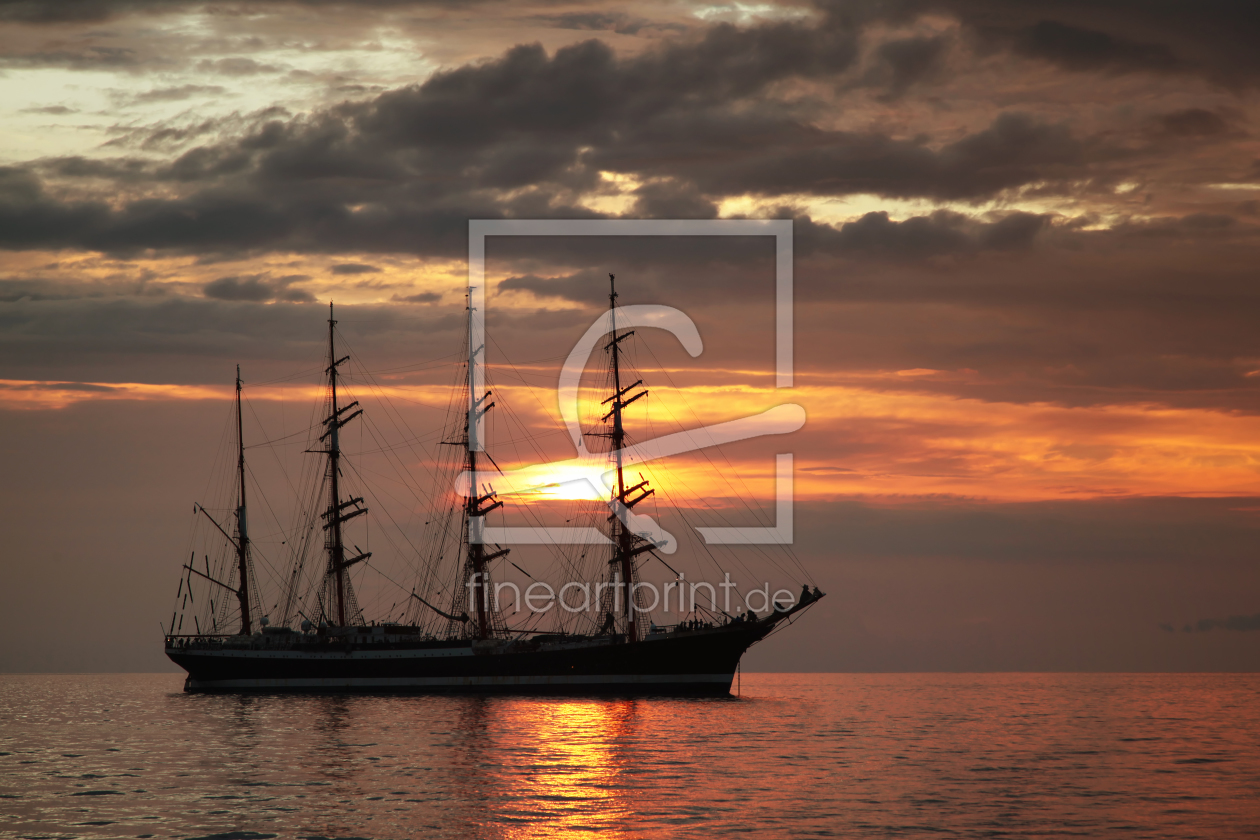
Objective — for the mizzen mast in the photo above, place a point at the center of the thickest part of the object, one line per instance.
(242, 530)
(338, 583)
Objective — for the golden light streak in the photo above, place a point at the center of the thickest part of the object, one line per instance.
(576, 783)
(24, 394)
(859, 440)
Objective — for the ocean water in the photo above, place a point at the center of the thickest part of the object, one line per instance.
(833, 755)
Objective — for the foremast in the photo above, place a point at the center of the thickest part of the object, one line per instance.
(340, 606)
(477, 504)
(627, 544)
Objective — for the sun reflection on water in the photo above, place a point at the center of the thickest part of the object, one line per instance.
(574, 780)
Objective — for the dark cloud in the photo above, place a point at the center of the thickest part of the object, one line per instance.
(1015, 230)
(618, 22)
(1241, 623)
(237, 66)
(63, 11)
(85, 387)
(672, 200)
(169, 135)
(942, 232)
(911, 239)
(29, 217)
(1215, 39)
(175, 94)
(1075, 48)
(770, 157)
(60, 11)
(419, 297)
(86, 57)
(1193, 122)
(588, 287)
(257, 288)
(238, 288)
(1193, 225)
(908, 61)
(354, 268)
(292, 184)
(120, 170)
(56, 110)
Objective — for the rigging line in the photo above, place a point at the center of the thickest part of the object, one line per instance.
(679, 481)
(546, 411)
(511, 416)
(258, 494)
(699, 506)
(363, 381)
(276, 440)
(392, 448)
(525, 509)
(688, 521)
(393, 414)
(381, 506)
(279, 464)
(379, 438)
(221, 459)
(427, 364)
(403, 477)
(787, 549)
(287, 378)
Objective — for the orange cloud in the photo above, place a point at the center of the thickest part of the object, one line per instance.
(857, 441)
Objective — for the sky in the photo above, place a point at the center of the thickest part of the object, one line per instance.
(1025, 250)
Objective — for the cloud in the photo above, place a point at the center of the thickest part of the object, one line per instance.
(588, 286)
(1240, 623)
(175, 94)
(419, 297)
(257, 288)
(237, 288)
(620, 23)
(914, 238)
(56, 110)
(770, 156)
(941, 232)
(60, 11)
(1112, 37)
(367, 176)
(85, 58)
(237, 66)
(1075, 48)
(905, 62)
(64, 11)
(354, 268)
(672, 199)
(1193, 122)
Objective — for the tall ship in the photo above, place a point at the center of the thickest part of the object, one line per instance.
(299, 626)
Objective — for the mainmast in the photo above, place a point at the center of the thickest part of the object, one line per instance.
(336, 514)
(624, 539)
(474, 513)
(242, 531)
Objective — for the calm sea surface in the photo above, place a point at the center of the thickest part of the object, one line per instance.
(1009, 755)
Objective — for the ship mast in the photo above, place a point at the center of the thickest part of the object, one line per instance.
(477, 559)
(622, 536)
(242, 533)
(336, 513)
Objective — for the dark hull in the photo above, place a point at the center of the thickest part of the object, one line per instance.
(700, 662)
